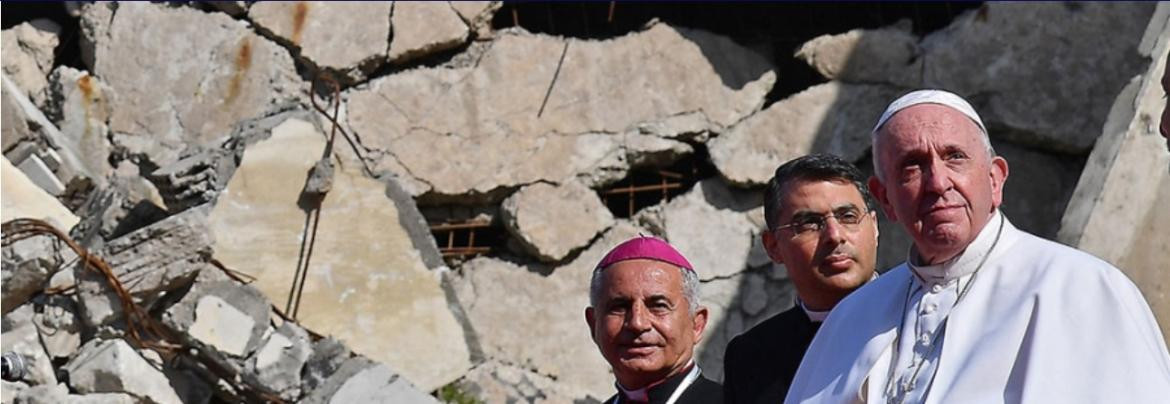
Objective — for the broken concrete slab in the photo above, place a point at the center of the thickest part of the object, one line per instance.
(29, 50)
(489, 120)
(127, 203)
(553, 220)
(51, 146)
(163, 256)
(833, 117)
(328, 354)
(196, 178)
(278, 363)
(23, 199)
(495, 382)
(45, 393)
(80, 106)
(349, 38)
(996, 53)
(222, 317)
(224, 73)
(28, 265)
(377, 296)
(41, 175)
(112, 366)
(715, 240)
(884, 55)
(360, 380)
(492, 291)
(422, 28)
(59, 326)
(15, 129)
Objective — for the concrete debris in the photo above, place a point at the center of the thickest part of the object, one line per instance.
(128, 203)
(378, 295)
(186, 156)
(884, 55)
(57, 153)
(161, 257)
(994, 56)
(80, 105)
(834, 118)
(552, 221)
(278, 363)
(328, 354)
(361, 381)
(224, 73)
(23, 199)
(59, 325)
(348, 38)
(28, 56)
(422, 28)
(224, 318)
(497, 145)
(494, 382)
(112, 366)
(715, 240)
(28, 265)
(196, 178)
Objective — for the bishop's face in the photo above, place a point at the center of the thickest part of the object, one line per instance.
(937, 178)
(643, 324)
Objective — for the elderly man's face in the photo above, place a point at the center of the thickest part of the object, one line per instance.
(643, 324)
(937, 178)
(824, 265)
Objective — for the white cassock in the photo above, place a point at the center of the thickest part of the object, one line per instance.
(1039, 322)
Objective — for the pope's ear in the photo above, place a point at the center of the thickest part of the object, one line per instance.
(879, 193)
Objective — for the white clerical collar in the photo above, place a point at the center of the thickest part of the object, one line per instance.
(962, 264)
(813, 315)
(643, 394)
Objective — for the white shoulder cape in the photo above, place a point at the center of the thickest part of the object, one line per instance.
(1043, 323)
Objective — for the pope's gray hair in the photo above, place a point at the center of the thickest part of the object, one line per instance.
(690, 288)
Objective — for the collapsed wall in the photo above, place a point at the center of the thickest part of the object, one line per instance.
(255, 250)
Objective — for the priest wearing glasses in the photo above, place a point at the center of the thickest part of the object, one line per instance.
(823, 229)
(981, 312)
(645, 317)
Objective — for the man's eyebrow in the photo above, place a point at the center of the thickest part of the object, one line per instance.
(845, 206)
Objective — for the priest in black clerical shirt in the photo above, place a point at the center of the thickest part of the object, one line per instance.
(822, 227)
(644, 315)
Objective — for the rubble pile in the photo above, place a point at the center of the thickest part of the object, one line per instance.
(188, 221)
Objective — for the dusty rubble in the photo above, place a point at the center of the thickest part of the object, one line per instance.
(184, 225)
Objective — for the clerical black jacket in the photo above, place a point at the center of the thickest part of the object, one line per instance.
(701, 391)
(759, 364)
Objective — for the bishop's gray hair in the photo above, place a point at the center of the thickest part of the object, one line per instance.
(690, 288)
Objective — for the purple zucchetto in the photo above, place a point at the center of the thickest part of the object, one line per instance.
(644, 247)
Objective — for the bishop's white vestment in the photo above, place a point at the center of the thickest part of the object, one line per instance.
(1013, 319)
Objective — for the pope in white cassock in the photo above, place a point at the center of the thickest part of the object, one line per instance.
(981, 312)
